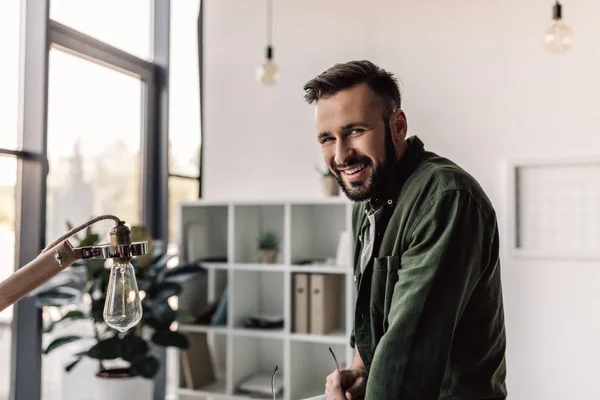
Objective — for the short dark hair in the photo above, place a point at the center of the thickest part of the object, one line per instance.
(346, 75)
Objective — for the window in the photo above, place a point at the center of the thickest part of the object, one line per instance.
(8, 181)
(9, 72)
(10, 17)
(94, 137)
(122, 24)
(94, 143)
(180, 189)
(184, 108)
(184, 98)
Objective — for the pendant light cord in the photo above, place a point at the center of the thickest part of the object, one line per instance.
(269, 22)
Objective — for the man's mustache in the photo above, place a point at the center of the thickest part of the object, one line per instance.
(352, 162)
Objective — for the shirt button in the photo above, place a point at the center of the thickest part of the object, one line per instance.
(354, 278)
(390, 202)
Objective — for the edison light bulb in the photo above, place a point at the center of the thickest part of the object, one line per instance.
(268, 73)
(559, 37)
(123, 307)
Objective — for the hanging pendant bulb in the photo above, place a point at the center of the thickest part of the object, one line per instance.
(268, 73)
(123, 306)
(558, 37)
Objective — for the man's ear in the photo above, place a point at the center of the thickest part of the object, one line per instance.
(398, 126)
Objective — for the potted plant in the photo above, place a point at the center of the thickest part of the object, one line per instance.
(329, 183)
(268, 247)
(126, 363)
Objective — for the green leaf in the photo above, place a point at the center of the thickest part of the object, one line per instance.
(97, 309)
(57, 297)
(133, 347)
(75, 314)
(143, 284)
(169, 338)
(60, 342)
(161, 312)
(69, 367)
(165, 290)
(89, 240)
(146, 367)
(107, 349)
(95, 267)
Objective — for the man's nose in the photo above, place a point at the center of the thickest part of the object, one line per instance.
(342, 152)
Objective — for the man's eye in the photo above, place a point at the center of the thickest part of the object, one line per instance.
(356, 131)
(325, 140)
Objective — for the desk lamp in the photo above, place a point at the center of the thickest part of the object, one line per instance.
(123, 307)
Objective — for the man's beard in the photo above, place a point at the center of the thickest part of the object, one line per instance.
(364, 190)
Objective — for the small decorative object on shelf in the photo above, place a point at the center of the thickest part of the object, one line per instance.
(330, 185)
(268, 246)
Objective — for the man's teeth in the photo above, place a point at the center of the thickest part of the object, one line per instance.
(354, 170)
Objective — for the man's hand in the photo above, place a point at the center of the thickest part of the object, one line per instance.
(347, 384)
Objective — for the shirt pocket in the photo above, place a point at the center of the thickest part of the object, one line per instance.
(385, 277)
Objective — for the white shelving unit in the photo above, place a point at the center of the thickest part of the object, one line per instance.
(226, 232)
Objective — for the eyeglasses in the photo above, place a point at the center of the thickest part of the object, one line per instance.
(337, 366)
(273, 382)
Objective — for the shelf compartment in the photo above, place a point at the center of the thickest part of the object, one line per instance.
(315, 232)
(314, 294)
(205, 233)
(200, 295)
(256, 355)
(310, 365)
(250, 222)
(219, 388)
(206, 350)
(257, 293)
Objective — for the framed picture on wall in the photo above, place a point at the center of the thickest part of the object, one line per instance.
(554, 208)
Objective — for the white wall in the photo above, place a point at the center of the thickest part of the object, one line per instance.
(477, 87)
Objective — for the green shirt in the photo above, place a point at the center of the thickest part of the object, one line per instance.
(429, 317)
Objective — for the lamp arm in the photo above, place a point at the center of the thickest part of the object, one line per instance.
(37, 272)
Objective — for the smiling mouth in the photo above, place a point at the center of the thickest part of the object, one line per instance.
(354, 170)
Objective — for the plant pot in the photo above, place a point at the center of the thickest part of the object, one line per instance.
(122, 384)
(330, 186)
(268, 256)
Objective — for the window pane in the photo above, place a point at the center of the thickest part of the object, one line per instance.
(94, 136)
(180, 189)
(122, 24)
(8, 166)
(184, 90)
(10, 18)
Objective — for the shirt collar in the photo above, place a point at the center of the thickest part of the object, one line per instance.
(388, 196)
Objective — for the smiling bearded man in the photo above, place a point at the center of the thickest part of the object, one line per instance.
(429, 316)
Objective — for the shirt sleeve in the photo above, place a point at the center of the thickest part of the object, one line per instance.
(444, 259)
